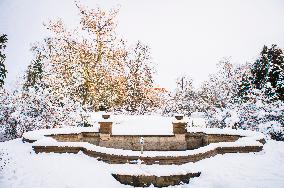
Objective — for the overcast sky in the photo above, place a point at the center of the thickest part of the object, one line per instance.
(186, 37)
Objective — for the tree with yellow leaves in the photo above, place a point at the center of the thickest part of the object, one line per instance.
(91, 64)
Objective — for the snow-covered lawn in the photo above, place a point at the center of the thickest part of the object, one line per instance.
(22, 168)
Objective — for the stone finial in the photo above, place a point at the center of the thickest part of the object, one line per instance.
(179, 116)
(105, 116)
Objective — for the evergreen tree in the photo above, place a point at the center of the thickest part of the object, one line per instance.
(244, 88)
(3, 71)
(34, 73)
(268, 72)
(245, 85)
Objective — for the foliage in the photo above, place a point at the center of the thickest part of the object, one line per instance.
(247, 96)
(92, 65)
(34, 72)
(3, 71)
(25, 110)
(91, 68)
(183, 99)
(266, 74)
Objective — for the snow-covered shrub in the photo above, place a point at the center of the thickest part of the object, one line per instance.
(25, 110)
(44, 109)
(267, 117)
(8, 124)
(183, 100)
(274, 129)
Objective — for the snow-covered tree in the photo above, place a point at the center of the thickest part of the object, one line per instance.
(85, 64)
(268, 72)
(218, 95)
(29, 109)
(236, 97)
(92, 64)
(3, 71)
(34, 73)
(139, 71)
(7, 107)
(183, 99)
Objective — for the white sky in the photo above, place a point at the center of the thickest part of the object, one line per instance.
(186, 37)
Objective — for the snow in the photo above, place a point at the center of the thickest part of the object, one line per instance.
(142, 125)
(39, 134)
(228, 131)
(25, 169)
(22, 168)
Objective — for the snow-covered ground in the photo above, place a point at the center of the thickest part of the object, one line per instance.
(22, 168)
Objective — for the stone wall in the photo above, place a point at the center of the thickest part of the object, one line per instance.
(158, 143)
(91, 137)
(157, 181)
(196, 140)
(119, 159)
(180, 140)
(176, 142)
(215, 138)
(67, 137)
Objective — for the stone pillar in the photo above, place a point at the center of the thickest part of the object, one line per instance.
(179, 130)
(105, 128)
(179, 125)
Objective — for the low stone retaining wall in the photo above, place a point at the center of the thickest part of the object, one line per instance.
(177, 142)
(90, 137)
(196, 140)
(151, 142)
(163, 160)
(157, 181)
(179, 148)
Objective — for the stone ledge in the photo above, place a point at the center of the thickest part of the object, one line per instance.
(157, 181)
(162, 160)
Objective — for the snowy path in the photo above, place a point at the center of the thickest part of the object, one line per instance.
(21, 168)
